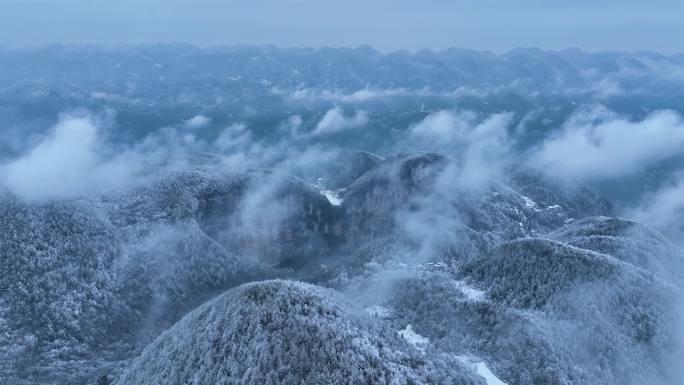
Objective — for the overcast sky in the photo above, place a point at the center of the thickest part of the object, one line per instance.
(384, 24)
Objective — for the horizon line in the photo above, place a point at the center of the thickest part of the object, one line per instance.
(359, 48)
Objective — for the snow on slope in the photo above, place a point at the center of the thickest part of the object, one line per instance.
(332, 196)
(286, 332)
(481, 368)
(414, 338)
(470, 292)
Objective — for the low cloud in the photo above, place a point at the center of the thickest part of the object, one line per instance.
(663, 209)
(237, 150)
(461, 127)
(598, 144)
(359, 96)
(75, 159)
(481, 145)
(335, 121)
(233, 137)
(65, 164)
(370, 94)
(262, 214)
(197, 122)
(292, 126)
(442, 125)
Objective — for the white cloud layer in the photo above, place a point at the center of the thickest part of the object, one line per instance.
(664, 210)
(368, 94)
(67, 163)
(197, 122)
(598, 144)
(359, 96)
(481, 145)
(336, 121)
(75, 160)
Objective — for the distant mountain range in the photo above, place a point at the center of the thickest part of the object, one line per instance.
(526, 70)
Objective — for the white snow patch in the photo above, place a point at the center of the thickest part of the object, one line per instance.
(529, 203)
(554, 207)
(481, 368)
(414, 338)
(470, 292)
(332, 196)
(430, 266)
(433, 265)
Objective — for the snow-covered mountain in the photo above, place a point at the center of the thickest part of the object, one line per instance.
(91, 281)
(256, 215)
(283, 331)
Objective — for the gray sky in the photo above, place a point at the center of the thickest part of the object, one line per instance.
(385, 24)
